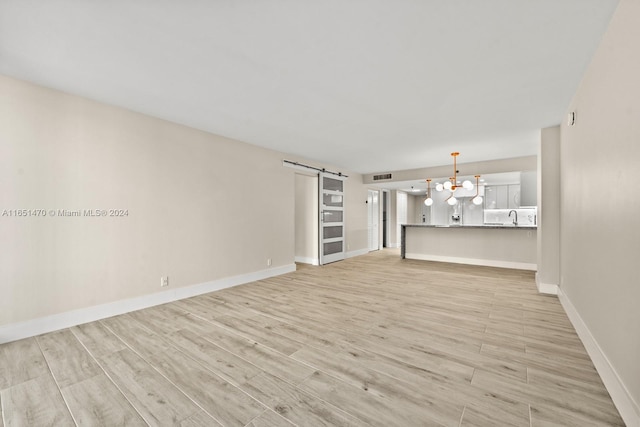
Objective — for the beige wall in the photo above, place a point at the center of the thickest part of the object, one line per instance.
(600, 164)
(549, 210)
(201, 207)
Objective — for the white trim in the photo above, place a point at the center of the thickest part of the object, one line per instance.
(358, 252)
(546, 288)
(393, 245)
(41, 325)
(474, 261)
(307, 260)
(628, 408)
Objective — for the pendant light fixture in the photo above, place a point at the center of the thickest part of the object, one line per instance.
(452, 185)
(477, 200)
(428, 201)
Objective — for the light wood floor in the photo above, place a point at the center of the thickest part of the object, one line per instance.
(373, 340)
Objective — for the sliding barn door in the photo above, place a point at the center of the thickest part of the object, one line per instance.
(331, 212)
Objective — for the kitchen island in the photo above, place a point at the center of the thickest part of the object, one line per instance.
(506, 246)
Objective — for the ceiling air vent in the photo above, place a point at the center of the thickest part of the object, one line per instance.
(381, 177)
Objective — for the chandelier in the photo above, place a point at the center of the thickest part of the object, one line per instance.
(452, 185)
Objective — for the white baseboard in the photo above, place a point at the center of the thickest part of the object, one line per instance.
(546, 288)
(628, 408)
(307, 260)
(474, 261)
(393, 245)
(315, 261)
(358, 252)
(30, 328)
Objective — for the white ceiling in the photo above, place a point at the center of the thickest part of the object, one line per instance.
(367, 85)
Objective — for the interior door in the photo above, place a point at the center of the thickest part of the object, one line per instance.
(331, 213)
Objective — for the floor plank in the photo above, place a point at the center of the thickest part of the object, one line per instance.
(556, 416)
(98, 402)
(143, 341)
(199, 419)
(296, 405)
(381, 412)
(491, 411)
(224, 363)
(269, 419)
(21, 361)
(156, 399)
(265, 358)
(582, 406)
(36, 402)
(97, 339)
(68, 360)
(251, 329)
(226, 403)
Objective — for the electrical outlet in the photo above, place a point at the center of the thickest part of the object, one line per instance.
(164, 281)
(268, 262)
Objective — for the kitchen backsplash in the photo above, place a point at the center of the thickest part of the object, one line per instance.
(526, 216)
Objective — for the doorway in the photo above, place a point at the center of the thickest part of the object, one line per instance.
(306, 219)
(373, 219)
(385, 222)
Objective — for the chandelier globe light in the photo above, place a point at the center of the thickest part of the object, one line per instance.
(452, 185)
(477, 200)
(428, 201)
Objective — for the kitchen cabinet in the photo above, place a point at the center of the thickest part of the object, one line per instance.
(502, 197)
(513, 196)
(529, 188)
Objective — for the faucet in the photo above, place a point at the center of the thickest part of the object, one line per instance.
(515, 221)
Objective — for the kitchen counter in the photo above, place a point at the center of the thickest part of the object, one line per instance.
(500, 226)
(494, 245)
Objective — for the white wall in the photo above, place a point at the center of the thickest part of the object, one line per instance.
(306, 219)
(201, 207)
(357, 237)
(374, 219)
(401, 214)
(412, 216)
(600, 241)
(393, 239)
(548, 275)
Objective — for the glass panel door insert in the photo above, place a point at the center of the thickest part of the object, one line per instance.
(331, 213)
